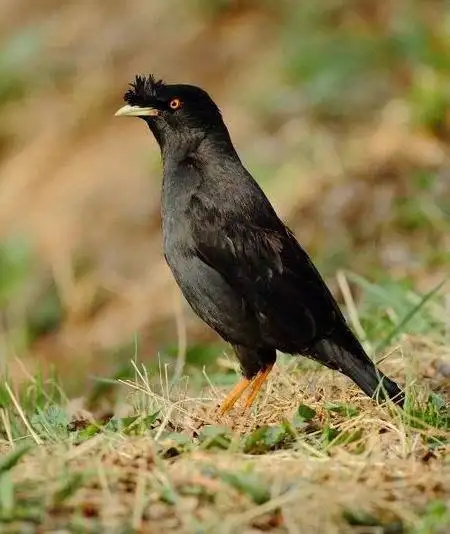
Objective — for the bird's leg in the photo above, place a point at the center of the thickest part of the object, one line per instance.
(257, 383)
(234, 395)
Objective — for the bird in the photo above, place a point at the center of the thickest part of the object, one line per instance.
(239, 267)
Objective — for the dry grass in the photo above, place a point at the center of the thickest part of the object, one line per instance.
(348, 466)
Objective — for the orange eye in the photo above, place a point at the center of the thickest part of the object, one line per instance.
(175, 104)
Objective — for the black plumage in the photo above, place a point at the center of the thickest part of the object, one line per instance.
(239, 267)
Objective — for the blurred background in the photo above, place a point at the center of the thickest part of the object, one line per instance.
(338, 108)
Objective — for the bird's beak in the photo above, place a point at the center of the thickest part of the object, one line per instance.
(136, 111)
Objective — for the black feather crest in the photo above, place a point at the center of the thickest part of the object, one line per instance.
(143, 90)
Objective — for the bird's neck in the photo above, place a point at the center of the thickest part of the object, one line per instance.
(217, 148)
(202, 150)
(212, 164)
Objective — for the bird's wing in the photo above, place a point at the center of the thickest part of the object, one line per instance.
(271, 271)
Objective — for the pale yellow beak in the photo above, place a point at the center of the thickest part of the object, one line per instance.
(136, 111)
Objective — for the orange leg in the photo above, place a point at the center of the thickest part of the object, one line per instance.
(257, 383)
(234, 395)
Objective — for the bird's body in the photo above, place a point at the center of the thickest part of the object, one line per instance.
(239, 267)
(207, 290)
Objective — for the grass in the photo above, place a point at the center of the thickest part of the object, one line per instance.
(315, 455)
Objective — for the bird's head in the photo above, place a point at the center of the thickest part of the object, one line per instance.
(178, 115)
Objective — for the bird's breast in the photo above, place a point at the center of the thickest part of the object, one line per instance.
(179, 185)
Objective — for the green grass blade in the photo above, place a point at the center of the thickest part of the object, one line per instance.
(69, 488)
(399, 328)
(10, 460)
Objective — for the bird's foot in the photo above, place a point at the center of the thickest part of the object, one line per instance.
(239, 389)
(256, 386)
(234, 395)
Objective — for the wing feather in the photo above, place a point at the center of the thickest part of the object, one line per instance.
(271, 271)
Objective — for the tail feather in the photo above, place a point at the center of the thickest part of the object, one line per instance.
(348, 357)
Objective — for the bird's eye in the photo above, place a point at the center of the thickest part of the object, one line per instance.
(175, 103)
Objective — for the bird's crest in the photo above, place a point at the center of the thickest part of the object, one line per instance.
(143, 90)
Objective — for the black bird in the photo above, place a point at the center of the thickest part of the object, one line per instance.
(239, 267)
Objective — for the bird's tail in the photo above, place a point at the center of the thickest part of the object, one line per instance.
(349, 357)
